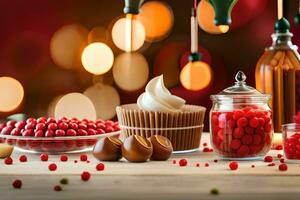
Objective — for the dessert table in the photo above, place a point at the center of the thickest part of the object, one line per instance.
(150, 180)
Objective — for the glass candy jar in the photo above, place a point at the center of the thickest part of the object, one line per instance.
(241, 122)
(278, 74)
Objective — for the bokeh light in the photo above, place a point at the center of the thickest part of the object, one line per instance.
(66, 46)
(196, 75)
(97, 58)
(106, 78)
(128, 33)
(97, 34)
(52, 105)
(130, 71)
(157, 18)
(206, 15)
(11, 94)
(75, 105)
(105, 99)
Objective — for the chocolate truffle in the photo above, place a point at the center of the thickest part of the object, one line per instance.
(137, 149)
(108, 149)
(162, 148)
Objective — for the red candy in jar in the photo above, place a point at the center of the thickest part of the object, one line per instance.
(241, 122)
(291, 141)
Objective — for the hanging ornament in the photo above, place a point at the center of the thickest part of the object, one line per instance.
(128, 33)
(130, 71)
(297, 17)
(157, 18)
(105, 99)
(196, 75)
(205, 56)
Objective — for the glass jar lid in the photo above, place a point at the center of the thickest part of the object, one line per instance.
(240, 90)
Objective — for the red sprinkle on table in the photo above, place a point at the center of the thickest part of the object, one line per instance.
(279, 147)
(83, 157)
(206, 165)
(8, 161)
(206, 149)
(197, 164)
(283, 167)
(52, 167)
(215, 160)
(17, 184)
(57, 188)
(100, 167)
(174, 161)
(85, 176)
(268, 159)
(271, 164)
(23, 158)
(44, 157)
(204, 144)
(63, 158)
(75, 161)
(279, 155)
(183, 162)
(281, 160)
(233, 165)
(252, 166)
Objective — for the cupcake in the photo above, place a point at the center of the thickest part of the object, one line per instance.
(158, 112)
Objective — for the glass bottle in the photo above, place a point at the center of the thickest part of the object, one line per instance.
(278, 74)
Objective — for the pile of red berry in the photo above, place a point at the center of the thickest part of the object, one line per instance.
(243, 132)
(292, 147)
(48, 128)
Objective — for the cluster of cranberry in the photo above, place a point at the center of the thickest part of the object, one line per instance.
(243, 132)
(292, 142)
(48, 128)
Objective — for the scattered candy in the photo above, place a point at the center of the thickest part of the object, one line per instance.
(174, 162)
(206, 164)
(282, 160)
(279, 147)
(23, 158)
(283, 167)
(206, 149)
(57, 188)
(292, 147)
(75, 161)
(268, 159)
(271, 165)
(197, 164)
(64, 158)
(8, 161)
(52, 167)
(252, 166)
(215, 160)
(85, 176)
(204, 144)
(233, 165)
(183, 162)
(17, 184)
(279, 155)
(44, 157)
(83, 157)
(100, 167)
(64, 181)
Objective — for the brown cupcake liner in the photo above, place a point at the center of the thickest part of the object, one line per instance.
(183, 129)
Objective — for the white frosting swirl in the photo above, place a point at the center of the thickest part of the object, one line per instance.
(158, 98)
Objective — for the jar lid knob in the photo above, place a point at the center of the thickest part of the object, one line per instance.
(240, 76)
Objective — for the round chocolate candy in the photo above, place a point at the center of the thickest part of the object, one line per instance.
(137, 149)
(108, 149)
(162, 148)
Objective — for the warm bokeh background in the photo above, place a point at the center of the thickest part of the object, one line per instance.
(27, 28)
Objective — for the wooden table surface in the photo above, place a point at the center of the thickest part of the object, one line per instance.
(151, 180)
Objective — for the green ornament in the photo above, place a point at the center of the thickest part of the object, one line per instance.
(195, 57)
(297, 19)
(132, 6)
(282, 26)
(223, 10)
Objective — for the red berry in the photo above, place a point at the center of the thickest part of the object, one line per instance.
(59, 133)
(238, 132)
(17, 184)
(233, 165)
(100, 131)
(206, 164)
(183, 162)
(174, 161)
(16, 132)
(279, 147)
(206, 149)
(20, 124)
(11, 123)
(249, 130)
(23, 158)
(44, 157)
(283, 167)
(63, 126)
(242, 122)
(41, 120)
(109, 123)
(281, 160)
(82, 132)
(73, 125)
(8, 161)
(30, 125)
(243, 150)
(6, 130)
(83, 157)
(51, 120)
(29, 120)
(28, 133)
(109, 129)
(52, 167)
(204, 144)
(279, 155)
(82, 126)
(49, 133)
(92, 125)
(256, 139)
(52, 126)
(254, 122)
(75, 161)
(57, 188)
(116, 127)
(268, 159)
(39, 133)
(100, 125)
(100, 167)
(63, 158)
(91, 131)
(238, 114)
(235, 144)
(85, 176)
(71, 132)
(247, 139)
(197, 164)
